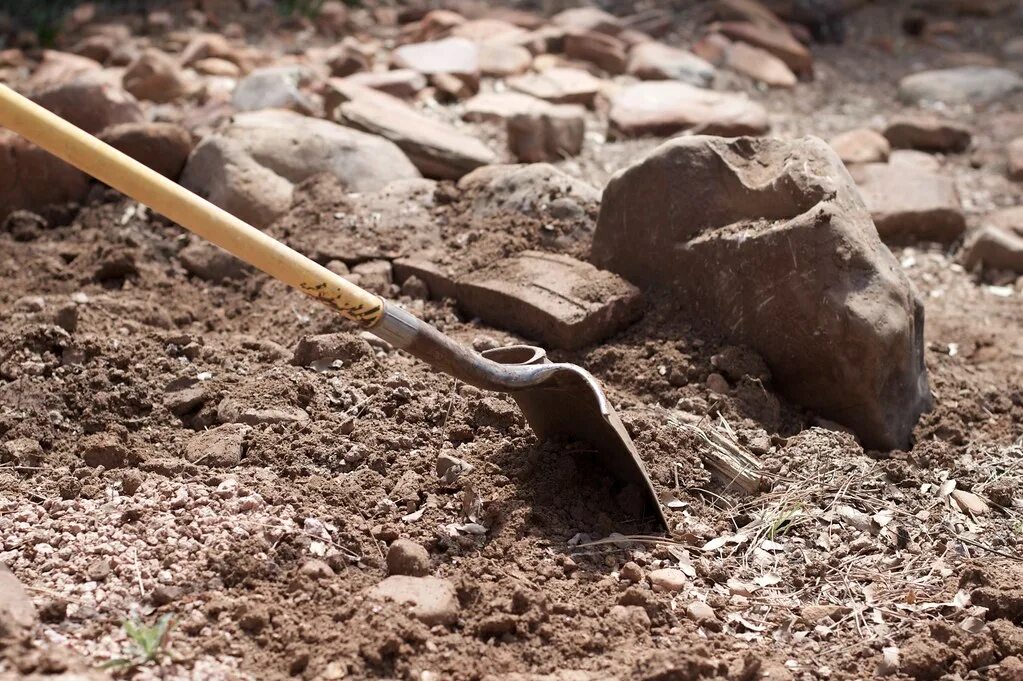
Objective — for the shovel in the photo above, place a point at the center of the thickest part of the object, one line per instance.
(558, 400)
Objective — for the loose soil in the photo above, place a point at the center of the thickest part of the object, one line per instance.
(111, 354)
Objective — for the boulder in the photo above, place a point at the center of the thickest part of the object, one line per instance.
(551, 135)
(961, 85)
(90, 104)
(667, 107)
(164, 147)
(927, 133)
(908, 204)
(768, 243)
(437, 149)
(657, 61)
(249, 169)
(861, 145)
(431, 600)
(32, 179)
(156, 77)
(559, 85)
(456, 56)
(560, 301)
(273, 88)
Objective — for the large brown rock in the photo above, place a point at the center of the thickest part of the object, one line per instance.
(32, 179)
(768, 243)
(667, 107)
(910, 204)
(556, 299)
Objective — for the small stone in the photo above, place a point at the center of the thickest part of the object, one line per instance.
(779, 43)
(760, 65)
(657, 61)
(718, 384)
(500, 61)
(131, 481)
(273, 88)
(995, 248)
(605, 51)
(702, 614)
(927, 133)
(220, 447)
(631, 572)
(559, 85)
(450, 468)
(432, 600)
(414, 287)
(23, 451)
(668, 579)
(103, 449)
(667, 107)
(17, 613)
(405, 557)
(316, 569)
(375, 275)
(456, 56)
(155, 76)
(164, 147)
(961, 85)
(211, 263)
(548, 136)
(401, 83)
(861, 145)
(253, 619)
(98, 570)
(328, 347)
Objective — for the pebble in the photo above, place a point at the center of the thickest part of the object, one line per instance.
(405, 557)
(631, 572)
(668, 579)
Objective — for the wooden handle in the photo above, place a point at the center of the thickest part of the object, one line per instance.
(192, 212)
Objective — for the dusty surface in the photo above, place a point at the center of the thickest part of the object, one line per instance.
(114, 359)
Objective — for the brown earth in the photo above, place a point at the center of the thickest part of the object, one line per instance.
(113, 358)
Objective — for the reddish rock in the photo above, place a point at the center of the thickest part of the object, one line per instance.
(760, 65)
(657, 61)
(559, 85)
(32, 179)
(401, 83)
(499, 106)
(92, 106)
(457, 56)
(206, 45)
(215, 66)
(437, 149)
(605, 51)
(927, 133)
(779, 43)
(164, 147)
(551, 135)
(555, 299)
(220, 447)
(861, 145)
(156, 77)
(667, 107)
(752, 254)
(436, 24)
(59, 68)
(910, 205)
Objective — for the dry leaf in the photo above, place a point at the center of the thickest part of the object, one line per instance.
(715, 544)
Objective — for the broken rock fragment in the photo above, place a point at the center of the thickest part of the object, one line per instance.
(556, 299)
(657, 61)
(861, 145)
(549, 136)
(927, 133)
(431, 600)
(908, 204)
(559, 85)
(768, 243)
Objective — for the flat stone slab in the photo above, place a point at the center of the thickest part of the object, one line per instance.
(908, 204)
(495, 107)
(961, 85)
(559, 85)
(437, 149)
(657, 61)
(927, 133)
(558, 300)
(666, 107)
(457, 56)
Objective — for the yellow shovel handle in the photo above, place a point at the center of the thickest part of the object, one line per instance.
(192, 212)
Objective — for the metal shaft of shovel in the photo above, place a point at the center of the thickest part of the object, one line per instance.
(558, 400)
